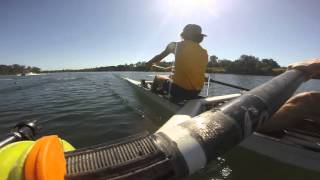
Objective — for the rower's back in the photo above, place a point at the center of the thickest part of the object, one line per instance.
(190, 65)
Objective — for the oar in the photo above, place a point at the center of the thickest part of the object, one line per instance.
(159, 67)
(230, 85)
(164, 68)
(22, 131)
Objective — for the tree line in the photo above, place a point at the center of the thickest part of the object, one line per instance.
(139, 66)
(17, 69)
(245, 64)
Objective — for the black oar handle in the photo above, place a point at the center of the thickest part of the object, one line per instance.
(230, 85)
(22, 131)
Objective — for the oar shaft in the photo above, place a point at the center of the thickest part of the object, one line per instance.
(230, 85)
(159, 67)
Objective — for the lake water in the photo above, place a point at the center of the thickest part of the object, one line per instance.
(92, 108)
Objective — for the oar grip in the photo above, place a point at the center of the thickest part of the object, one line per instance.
(259, 104)
(278, 90)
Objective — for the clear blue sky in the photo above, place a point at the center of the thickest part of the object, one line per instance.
(63, 34)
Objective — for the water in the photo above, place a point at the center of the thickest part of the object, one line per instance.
(92, 108)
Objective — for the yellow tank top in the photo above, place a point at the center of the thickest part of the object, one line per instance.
(190, 65)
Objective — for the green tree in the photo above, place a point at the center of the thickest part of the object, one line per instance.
(270, 62)
(246, 64)
(35, 70)
(225, 63)
(213, 61)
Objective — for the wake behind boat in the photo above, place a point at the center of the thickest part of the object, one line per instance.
(297, 146)
(28, 74)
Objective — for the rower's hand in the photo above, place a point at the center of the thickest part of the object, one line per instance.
(310, 67)
(299, 107)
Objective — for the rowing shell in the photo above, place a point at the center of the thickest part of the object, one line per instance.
(296, 147)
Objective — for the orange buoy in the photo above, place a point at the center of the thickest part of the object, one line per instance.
(30, 163)
(51, 164)
(46, 160)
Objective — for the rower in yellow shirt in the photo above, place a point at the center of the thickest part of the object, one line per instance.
(190, 65)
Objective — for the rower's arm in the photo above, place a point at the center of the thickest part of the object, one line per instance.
(159, 57)
(169, 49)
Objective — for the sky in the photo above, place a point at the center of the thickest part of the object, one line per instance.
(74, 34)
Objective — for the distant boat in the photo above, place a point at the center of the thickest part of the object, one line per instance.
(28, 74)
